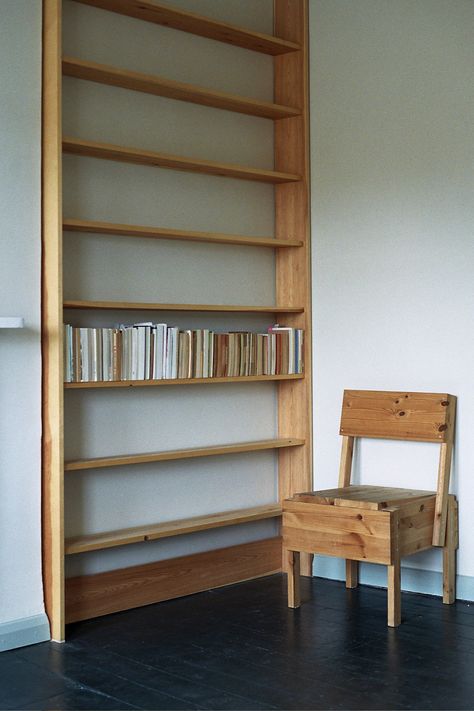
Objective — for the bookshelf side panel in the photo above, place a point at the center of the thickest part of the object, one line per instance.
(293, 283)
(52, 349)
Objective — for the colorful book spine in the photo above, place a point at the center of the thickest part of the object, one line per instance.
(147, 351)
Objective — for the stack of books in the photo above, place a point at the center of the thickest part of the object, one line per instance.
(148, 351)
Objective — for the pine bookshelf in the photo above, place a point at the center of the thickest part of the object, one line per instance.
(79, 598)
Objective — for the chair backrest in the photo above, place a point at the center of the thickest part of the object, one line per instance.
(423, 417)
(420, 417)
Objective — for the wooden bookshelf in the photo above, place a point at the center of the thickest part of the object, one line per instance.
(122, 154)
(140, 534)
(145, 306)
(91, 595)
(159, 86)
(141, 231)
(180, 381)
(196, 452)
(197, 25)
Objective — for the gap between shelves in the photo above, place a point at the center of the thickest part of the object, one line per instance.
(170, 89)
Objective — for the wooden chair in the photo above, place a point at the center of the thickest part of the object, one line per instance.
(373, 523)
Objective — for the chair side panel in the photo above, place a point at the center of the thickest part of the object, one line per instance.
(423, 417)
(416, 526)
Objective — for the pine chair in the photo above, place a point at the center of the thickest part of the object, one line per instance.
(373, 523)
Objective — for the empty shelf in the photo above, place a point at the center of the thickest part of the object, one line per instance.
(139, 534)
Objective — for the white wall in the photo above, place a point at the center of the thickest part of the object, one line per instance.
(393, 236)
(21, 598)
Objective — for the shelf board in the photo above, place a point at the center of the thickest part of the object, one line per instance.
(178, 381)
(159, 86)
(120, 230)
(197, 24)
(139, 534)
(128, 459)
(145, 306)
(108, 151)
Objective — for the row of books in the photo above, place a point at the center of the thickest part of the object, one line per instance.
(147, 351)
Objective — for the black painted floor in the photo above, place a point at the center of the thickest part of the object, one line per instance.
(241, 648)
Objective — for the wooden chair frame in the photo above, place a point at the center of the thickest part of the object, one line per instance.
(379, 524)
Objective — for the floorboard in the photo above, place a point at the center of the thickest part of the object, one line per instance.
(240, 648)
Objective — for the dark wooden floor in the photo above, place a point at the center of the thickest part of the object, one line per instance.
(241, 648)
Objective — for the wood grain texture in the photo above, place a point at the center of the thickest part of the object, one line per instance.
(152, 532)
(130, 459)
(294, 597)
(293, 276)
(355, 534)
(51, 324)
(95, 595)
(145, 306)
(197, 24)
(444, 473)
(372, 498)
(352, 574)
(177, 381)
(142, 231)
(345, 467)
(394, 611)
(123, 154)
(416, 526)
(159, 86)
(424, 417)
(449, 552)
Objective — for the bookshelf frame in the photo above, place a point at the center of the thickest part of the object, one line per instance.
(89, 596)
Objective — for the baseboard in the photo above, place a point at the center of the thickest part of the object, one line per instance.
(95, 595)
(428, 582)
(25, 631)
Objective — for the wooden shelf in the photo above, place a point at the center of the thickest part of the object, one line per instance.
(139, 534)
(128, 459)
(144, 306)
(159, 86)
(109, 228)
(197, 25)
(108, 151)
(179, 381)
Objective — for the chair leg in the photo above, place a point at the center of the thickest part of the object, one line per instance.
(394, 602)
(352, 573)
(293, 579)
(449, 553)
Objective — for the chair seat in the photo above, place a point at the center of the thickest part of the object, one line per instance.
(373, 498)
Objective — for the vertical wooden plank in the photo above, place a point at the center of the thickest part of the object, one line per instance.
(345, 467)
(441, 508)
(449, 553)
(52, 338)
(352, 573)
(394, 611)
(293, 266)
(345, 470)
(294, 598)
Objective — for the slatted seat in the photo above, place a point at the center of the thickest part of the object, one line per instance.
(379, 524)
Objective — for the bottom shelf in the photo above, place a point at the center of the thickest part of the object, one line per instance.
(103, 593)
(139, 534)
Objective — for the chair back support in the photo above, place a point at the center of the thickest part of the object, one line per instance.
(418, 417)
(422, 417)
